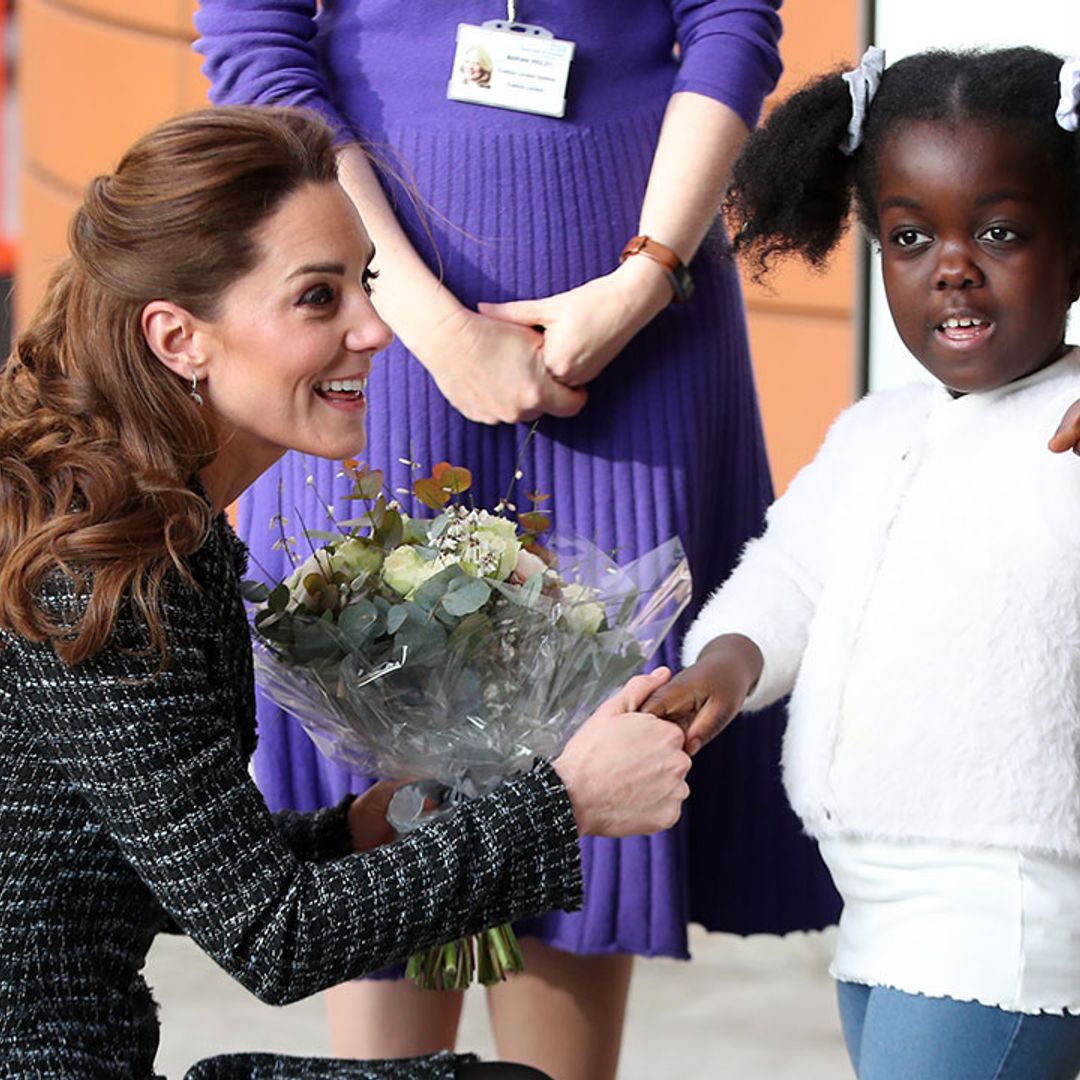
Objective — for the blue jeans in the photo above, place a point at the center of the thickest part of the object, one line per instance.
(891, 1035)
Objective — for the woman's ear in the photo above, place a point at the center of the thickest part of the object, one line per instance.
(173, 335)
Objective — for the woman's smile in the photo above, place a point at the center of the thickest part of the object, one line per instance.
(344, 393)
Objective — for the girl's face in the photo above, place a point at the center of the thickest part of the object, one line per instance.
(287, 359)
(978, 271)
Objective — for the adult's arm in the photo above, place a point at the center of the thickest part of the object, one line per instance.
(729, 62)
(159, 766)
(262, 52)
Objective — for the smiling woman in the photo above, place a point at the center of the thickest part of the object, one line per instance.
(284, 360)
(213, 313)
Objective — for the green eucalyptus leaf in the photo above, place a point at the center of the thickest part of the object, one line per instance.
(359, 623)
(626, 609)
(390, 531)
(466, 595)
(396, 617)
(254, 591)
(278, 598)
(471, 631)
(435, 588)
(417, 530)
(420, 638)
(530, 591)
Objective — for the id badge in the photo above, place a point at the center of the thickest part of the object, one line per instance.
(511, 65)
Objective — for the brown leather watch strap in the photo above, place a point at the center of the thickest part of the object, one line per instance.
(682, 284)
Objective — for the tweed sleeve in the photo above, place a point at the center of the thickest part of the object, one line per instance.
(730, 51)
(263, 52)
(159, 765)
(318, 835)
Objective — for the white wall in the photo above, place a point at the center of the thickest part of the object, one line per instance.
(907, 26)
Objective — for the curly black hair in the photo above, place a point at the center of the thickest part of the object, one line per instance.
(792, 189)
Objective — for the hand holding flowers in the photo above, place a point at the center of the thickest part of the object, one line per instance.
(455, 650)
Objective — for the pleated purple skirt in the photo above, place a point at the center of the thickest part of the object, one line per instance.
(670, 442)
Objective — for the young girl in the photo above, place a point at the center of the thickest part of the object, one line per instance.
(918, 587)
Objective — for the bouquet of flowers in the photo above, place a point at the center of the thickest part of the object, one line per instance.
(452, 651)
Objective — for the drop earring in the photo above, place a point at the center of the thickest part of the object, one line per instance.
(195, 395)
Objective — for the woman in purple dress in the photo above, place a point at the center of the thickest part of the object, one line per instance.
(649, 417)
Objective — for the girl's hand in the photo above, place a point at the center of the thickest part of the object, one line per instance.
(705, 697)
(1067, 436)
(626, 771)
(493, 372)
(366, 816)
(585, 328)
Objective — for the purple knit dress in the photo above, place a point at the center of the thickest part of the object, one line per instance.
(670, 441)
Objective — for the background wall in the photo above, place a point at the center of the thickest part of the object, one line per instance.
(97, 73)
(902, 27)
(94, 74)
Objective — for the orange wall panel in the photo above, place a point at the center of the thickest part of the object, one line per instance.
(90, 88)
(802, 323)
(163, 16)
(48, 209)
(804, 378)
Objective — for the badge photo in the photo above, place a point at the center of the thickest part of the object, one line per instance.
(511, 65)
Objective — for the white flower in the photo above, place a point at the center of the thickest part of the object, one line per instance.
(405, 570)
(482, 544)
(528, 565)
(581, 613)
(354, 557)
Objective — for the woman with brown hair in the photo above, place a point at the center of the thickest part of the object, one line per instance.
(215, 312)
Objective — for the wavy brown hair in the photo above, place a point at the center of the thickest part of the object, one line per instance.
(99, 441)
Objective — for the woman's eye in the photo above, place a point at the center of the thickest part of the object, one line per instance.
(317, 296)
(367, 280)
(1000, 234)
(909, 237)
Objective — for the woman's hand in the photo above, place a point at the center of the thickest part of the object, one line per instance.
(587, 327)
(492, 371)
(1067, 436)
(366, 816)
(705, 697)
(626, 771)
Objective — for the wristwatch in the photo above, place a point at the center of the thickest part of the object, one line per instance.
(682, 284)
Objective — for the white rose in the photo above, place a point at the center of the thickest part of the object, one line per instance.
(528, 565)
(580, 612)
(404, 570)
(353, 557)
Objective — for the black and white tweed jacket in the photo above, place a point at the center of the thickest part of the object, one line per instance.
(126, 806)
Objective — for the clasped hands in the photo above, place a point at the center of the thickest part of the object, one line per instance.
(513, 362)
(625, 769)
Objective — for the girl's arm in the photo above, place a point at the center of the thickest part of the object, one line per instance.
(744, 649)
(489, 370)
(729, 62)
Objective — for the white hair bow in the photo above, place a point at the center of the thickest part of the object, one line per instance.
(863, 83)
(1069, 105)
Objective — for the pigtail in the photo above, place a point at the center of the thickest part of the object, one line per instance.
(792, 186)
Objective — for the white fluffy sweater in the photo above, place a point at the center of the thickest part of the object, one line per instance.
(917, 589)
